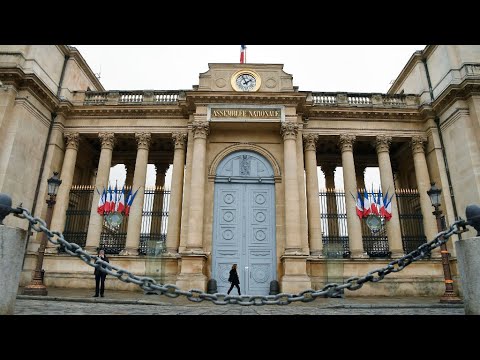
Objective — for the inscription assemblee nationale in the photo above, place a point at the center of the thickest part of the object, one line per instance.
(246, 113)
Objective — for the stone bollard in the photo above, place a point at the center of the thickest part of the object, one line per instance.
(468, 257)
(12, 249)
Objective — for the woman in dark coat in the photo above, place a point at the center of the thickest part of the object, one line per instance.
(100, 275)
(233, 278)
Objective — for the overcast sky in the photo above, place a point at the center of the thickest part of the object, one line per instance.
(353, 68)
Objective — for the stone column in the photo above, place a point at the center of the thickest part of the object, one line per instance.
(135, 216)
(295, 275)
(157, 207)
(329, 172)
(313, 202)
(423, 185)
(197, 193)
(194, 257)
(292, 208)
(350, 185)
(386, 177)
(130, 169)
(360, 175)
(104, 164)
(68, 168)
(175, 209)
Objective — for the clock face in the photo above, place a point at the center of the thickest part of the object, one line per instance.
(246, 82)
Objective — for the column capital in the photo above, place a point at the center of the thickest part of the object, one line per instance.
(328, 169)
(418, 143)
(179, 140)
(382, 143)
(161, 168)
(143, 140)
(289, 130)
(346, 142)
(107, 139)
(310, 142)
(72, 140)
(200, 129)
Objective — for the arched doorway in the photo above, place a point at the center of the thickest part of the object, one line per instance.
(244, 222)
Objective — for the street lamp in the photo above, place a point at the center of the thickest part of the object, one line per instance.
(36, 286)
(449, 296)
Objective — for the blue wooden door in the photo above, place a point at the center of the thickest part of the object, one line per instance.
(244, 223)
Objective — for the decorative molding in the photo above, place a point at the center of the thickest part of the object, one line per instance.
(418, 144)
(328, 169)
(161, 168)
(200, 129)
(107, 139)
(346, 142)
(143, 140)
(72, 140)
(245, 146)
(180, 140)
(289, 130)
(310, 142)
(382, 143)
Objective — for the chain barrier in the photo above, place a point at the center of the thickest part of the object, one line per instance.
(196, 295)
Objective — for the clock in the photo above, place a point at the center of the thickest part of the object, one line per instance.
(245, 80)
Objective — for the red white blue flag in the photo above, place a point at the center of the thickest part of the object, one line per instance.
(243, 54)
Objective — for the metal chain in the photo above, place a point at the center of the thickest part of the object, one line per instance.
(197, 295)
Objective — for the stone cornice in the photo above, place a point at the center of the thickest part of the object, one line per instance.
(18, 78)
(453, 92)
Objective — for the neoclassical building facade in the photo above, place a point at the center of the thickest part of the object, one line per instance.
(244, 148)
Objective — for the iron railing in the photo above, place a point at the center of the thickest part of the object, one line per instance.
(78, 214)
(411, 219)
(153, 231)
(333, 218)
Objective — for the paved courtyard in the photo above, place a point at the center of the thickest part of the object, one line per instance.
(80, 302)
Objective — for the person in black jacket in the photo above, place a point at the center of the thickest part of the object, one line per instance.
(233, 278)
(100, 275)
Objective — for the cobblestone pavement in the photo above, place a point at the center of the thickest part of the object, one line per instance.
(43, 307)
(80, 302)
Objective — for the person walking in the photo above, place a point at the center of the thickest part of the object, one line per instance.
(233, 278)
(100, 275)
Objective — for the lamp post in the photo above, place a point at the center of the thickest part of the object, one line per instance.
(36, 286)
(449, 296)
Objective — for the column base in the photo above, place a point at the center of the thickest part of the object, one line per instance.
(91, 249)
(295, 278)
(397, 254)
(359, 254)
(51, 250)
(35, 289)
(192, 272)
(128, 252)
(450, 298)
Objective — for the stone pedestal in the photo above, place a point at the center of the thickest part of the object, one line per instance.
(468, 257)
(295, 278)
(12, 248)
(192, 274)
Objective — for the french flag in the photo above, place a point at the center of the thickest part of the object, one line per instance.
(359, 205)
(243, 54)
